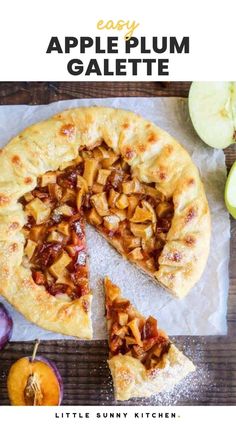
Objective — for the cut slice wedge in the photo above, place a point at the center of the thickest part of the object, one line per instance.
(212, 107)
(230, 191)
(142, 359)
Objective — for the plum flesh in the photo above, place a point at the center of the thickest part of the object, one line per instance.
(34, 381)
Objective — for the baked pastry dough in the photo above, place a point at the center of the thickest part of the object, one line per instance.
(155, 163)
(142, 361)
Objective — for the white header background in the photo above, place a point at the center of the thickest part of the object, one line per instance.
(27, 26)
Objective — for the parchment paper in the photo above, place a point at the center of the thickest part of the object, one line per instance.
(203, 311)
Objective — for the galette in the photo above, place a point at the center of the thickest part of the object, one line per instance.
(116, 171)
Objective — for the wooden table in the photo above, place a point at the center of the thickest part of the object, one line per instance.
(83, 364)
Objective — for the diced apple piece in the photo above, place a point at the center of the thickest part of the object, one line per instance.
(144, 213)
(132, 242)
(58, 267)
(48, 178)
(163, 209)
(97, 188)
(85, 154)
(146, 205)
(122, 332)
(38, 210)
(104, 152)
(36, 232)
(111, 222)
(122, 202)
(134, 326)
(68, 196)
(212, 107)
(79, 198)
(55, 191)
(136, 254)
(148, 245)
(153, 192)
(121, 213)
(112, 197)
(90, 170)
(65, 210)
(97, 153)
(103, 174)
(107, 162)
(64, 228)
(82, 183)
(74, 162)
(28, 197)
(55, 236)
(130, 340)
(123, 318)
(141, 230)
(99, 201)
(94, 217)
(112, 291)
(71, 249)
(141, 215)
(133, 186)
(49, 278)
(65, 279)
(30, 248)
(133, 202)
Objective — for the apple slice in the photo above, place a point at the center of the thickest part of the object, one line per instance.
(230, 191)
(212, 108)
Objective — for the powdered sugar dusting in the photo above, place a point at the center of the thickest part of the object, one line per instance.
(190, 390)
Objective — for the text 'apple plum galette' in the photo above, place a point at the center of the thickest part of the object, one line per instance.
(116, 171)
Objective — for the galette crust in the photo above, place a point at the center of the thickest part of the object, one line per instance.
(154, 156)
(131, 378)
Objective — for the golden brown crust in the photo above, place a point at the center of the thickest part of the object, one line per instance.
(154, 156)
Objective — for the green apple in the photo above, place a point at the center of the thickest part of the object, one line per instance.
(212, 108)
(230, 191)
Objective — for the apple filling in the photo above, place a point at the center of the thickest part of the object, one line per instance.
(97, 187)
(130, 333)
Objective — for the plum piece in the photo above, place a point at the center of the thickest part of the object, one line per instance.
(6, 326)
(34, 381)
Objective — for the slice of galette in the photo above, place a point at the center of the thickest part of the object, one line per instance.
(142, 361)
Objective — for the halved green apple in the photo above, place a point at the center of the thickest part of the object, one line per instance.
(212, 108)
(230, 191)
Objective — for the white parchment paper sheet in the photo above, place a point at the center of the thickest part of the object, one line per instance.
(203, 311)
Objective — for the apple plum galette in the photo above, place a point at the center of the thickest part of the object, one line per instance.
(142, 361)
(120, 173)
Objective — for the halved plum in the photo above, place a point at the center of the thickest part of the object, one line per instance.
(34, 381)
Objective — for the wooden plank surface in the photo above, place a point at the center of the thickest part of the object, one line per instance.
(83, 364)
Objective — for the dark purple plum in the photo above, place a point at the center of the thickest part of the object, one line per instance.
(6, 326)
